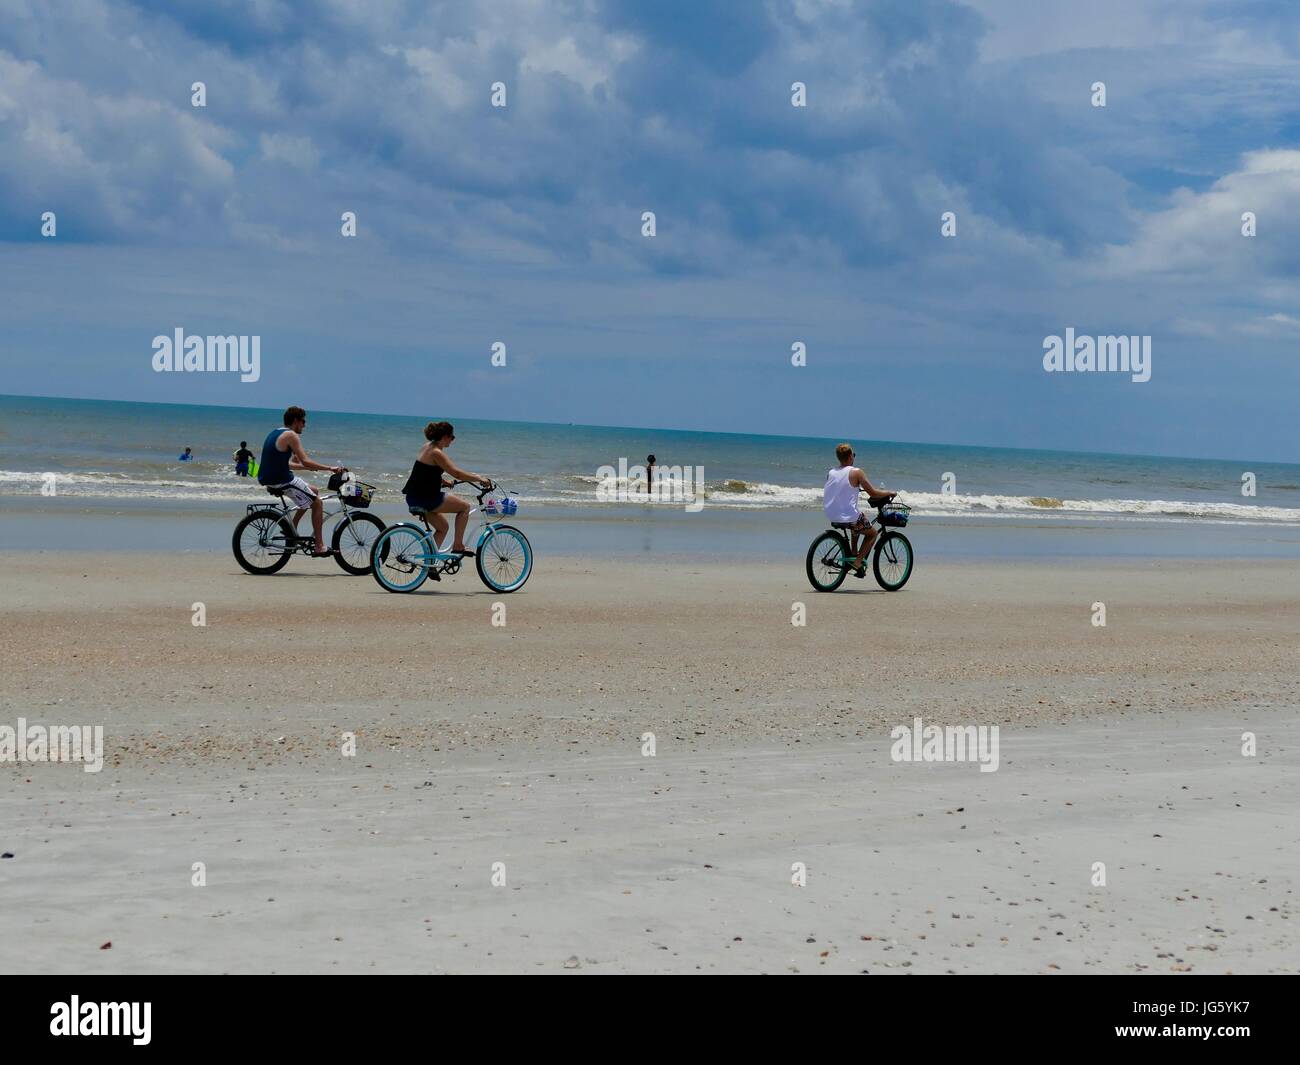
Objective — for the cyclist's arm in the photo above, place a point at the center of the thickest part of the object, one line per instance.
(302, 462)
(440, 456)
(861, 481)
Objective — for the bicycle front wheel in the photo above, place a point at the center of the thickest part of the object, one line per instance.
(504, 559)
(401, 557)
(353, 541)
(893, 561)
(828, 561)
(263, 542)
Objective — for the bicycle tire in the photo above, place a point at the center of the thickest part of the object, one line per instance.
(818, 552)
(389, 564)
(893, 558)
(511, 533)
(267, 519)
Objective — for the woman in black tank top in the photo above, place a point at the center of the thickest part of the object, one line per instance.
(425, 490)
(424, 485)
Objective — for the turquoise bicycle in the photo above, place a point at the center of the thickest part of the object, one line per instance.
(405, 555)
(832, 554)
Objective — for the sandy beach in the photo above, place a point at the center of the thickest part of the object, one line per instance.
(521, 744)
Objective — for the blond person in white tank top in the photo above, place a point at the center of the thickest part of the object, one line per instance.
(840, 501)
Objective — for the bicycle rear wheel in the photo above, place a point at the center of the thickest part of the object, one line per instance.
(828, 560)
(401, 557)
(893, 561)
(263, 541)
(504, 559)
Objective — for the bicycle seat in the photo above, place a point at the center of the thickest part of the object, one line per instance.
(844, 524)
(419, 512)
(277, 492)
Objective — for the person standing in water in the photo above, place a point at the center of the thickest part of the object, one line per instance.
(187, 456)
(242, 458)
(649, 474)
(425, 489)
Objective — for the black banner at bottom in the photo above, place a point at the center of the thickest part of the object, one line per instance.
(338, 1013)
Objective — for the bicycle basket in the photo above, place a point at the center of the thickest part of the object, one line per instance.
(894, 515)
(356, 494)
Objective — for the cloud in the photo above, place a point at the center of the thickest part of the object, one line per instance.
(298, 152)
(1199, 235)
(1273, 325)
(111, 166)
(614, 109)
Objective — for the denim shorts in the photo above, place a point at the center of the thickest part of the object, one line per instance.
(421, 506)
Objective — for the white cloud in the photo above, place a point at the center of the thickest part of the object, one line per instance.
(1200, 233)
(299, 152)
(1273, 325)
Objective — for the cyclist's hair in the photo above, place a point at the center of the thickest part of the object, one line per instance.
(844, 451)
(437, 430)
(292, 414)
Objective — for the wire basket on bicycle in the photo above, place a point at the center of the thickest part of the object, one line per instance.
(505, 505)
(355, 493)
(894, 515)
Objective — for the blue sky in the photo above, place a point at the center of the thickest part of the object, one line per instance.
(776, 224)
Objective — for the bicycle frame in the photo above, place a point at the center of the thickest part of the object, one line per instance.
(482, 531)
(289, 512)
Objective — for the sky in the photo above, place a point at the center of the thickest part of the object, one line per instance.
(774, 224)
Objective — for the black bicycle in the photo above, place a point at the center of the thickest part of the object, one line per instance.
(830, 558)
(265, 539)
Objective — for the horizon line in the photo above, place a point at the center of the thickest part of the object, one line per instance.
(665, 429)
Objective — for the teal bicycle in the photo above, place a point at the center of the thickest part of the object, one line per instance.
(405, 555)
(832, 554)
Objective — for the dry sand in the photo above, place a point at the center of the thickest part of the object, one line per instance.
(521, 744)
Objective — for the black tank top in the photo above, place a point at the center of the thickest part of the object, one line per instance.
(425, 481)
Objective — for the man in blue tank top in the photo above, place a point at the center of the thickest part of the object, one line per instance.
(282, 452)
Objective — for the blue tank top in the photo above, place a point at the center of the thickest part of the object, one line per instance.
(274, 467)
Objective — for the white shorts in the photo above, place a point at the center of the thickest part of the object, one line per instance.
(298, 494)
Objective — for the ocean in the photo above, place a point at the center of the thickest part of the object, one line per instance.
(126, 454)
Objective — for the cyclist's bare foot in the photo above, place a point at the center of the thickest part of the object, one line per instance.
(461, 550)
(321, 552)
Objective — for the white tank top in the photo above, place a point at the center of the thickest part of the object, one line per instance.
(840, 497)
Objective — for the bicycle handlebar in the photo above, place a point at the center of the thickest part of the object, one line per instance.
(490, 486)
